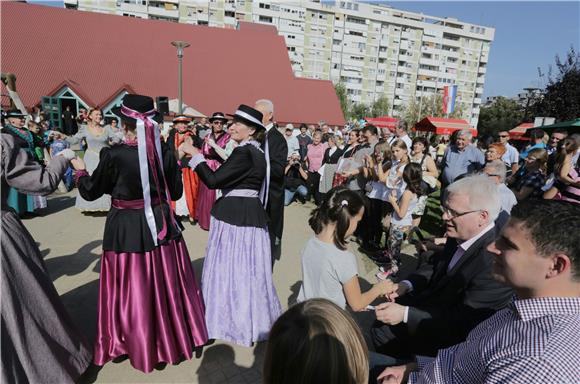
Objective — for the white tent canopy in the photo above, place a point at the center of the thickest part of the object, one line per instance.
(187, 110)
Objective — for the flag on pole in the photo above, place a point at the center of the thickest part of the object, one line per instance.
(449, 96)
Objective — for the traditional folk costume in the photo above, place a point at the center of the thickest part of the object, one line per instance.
(94, 146)
(186, 205)
(150, 306)
(207, 196)
(242, 303)
(40, 343)
(23, 138)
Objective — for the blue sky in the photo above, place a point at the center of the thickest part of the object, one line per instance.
(528, 35)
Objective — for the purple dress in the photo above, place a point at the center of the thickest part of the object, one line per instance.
(150, 306)
(241, 300)
(206, 196)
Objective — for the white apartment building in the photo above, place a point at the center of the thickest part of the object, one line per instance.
(373, 49)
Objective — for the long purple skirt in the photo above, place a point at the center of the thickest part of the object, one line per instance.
(150, 307)
(242, 303)
(205, 200)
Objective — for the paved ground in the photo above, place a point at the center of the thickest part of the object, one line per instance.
(71, 245)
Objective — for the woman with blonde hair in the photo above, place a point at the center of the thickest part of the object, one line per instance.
(530, 179)
(316, 342)
(97, 137)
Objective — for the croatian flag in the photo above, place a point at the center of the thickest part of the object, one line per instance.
(449, 96)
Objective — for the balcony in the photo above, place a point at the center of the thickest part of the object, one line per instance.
(481, 70)
(163, 12)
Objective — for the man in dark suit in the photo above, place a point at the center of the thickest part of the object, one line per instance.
(277, 150)
(440, 303)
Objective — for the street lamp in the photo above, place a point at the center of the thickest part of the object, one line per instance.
(180, 45)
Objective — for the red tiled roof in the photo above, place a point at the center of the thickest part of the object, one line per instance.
(97, 55)
(443, 126)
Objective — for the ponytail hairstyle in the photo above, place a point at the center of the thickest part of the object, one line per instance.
(413, 176)
(339, 207)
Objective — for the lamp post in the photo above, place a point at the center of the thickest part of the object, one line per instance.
(180, 45)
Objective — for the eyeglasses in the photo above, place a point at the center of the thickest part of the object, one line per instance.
(218, 122)
(453, 214)
(504, 135)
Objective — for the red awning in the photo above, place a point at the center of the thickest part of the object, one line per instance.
(383, 122)
(443, 126)
(518, 132)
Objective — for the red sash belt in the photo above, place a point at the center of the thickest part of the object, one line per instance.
(133, 204)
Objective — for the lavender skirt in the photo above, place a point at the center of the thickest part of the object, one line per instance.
(241, 301)
(150, 307)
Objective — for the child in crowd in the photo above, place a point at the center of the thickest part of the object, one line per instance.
(58, 145)
(402, 220)
(330, 271)
(378, 196)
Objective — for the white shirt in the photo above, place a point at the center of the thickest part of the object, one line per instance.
(510, 156)
(269, 126)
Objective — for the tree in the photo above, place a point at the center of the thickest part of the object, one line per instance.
(359, 111)
(503, 114)
(340, 90)
(432, 105)
(380, 107)
(561, 98)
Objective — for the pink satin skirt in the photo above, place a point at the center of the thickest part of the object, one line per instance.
(150, 307)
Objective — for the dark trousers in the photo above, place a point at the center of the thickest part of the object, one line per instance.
(372, 230)
(314, 182)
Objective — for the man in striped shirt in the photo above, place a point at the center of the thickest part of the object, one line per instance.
(535, 339)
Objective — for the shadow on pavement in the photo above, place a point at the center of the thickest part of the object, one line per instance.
(219, 365)
(295, 289)
(81, 304)
(70, 265)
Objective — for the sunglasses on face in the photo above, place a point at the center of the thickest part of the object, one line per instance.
(218, 123)
(504, 135)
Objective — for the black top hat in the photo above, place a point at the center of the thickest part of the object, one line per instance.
(137, 103)
(218, 116)
(182, 119)
(12, 113)
(249, 115)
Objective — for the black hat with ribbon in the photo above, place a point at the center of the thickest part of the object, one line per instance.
(137, 103)
(181, 119)
(13, 113)
(218, 116)
(249, 116)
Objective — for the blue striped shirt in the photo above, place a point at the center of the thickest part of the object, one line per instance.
(530, 341)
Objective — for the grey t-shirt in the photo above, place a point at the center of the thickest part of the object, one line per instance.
(325, 269)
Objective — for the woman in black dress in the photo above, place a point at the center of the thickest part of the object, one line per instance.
(150, 307)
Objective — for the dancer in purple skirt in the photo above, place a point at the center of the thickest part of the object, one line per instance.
(150, 307)
(241, 301)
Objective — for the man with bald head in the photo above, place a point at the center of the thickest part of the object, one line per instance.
(276, 148)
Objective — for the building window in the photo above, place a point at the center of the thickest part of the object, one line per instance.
(265, 19)
(230, 14)
(264, 6)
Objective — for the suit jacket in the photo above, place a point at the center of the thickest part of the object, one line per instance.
(278, 150)
(446, 305)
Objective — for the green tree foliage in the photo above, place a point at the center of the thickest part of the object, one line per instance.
(561, 98)
(503, 114)
(380, 107)
(432, 105)
(359, 111)
(340, 90)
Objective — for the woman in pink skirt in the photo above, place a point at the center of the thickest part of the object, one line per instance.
(150, 307)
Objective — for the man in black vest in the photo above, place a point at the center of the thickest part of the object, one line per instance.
(443, 301)
(276, 149)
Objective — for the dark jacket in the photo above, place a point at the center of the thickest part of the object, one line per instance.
(445, 306)
(278, 152)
